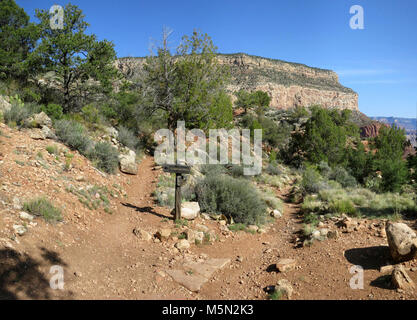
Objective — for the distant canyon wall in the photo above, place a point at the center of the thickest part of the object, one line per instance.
(289, 84)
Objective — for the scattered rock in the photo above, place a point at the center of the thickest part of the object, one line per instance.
(201, 227)
(333, 234)
(284, 265)
(191, 281)
(39, 120)
(142, 234)
(37, 134)
(190, 210)
(182, 244)
(276, 214)
(284, 286)
(386, 269)
(163, 234)
(48, 133)
(401, 280)
(25, 216)
(199, 236)
(19, 229)
(402, 241)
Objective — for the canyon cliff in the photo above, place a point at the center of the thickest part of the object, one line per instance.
(288, 84)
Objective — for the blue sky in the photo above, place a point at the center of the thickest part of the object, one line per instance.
(379, 62)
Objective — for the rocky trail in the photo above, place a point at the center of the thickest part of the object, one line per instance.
(117, 256)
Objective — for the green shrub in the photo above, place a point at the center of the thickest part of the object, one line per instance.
(17, 114)
(343, 206)
(73, 134)
(52, 149)
(54, 111)
(340, 175)
(44, 208)
(232, 197)
(106, 156)
(128, 138)
(212, 169)
(312, 181)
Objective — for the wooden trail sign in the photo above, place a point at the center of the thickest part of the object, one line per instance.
(179, 170)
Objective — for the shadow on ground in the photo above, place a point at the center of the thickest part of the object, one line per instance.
(21, 278)
(147, 210)
(369, 258)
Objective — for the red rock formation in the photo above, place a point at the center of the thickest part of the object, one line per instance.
(371, 130)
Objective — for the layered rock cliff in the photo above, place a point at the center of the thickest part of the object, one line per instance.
(289, 84)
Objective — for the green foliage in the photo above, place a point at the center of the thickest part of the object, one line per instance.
(189, 86)
(258, 100)
(54, 111)
(44, 208)
(74, 56)
(325, 136)
(17, 37)
(389, 145)
(53, 149)
(17, 114)
(232, 197)
(74, 135)
(91, 114)
(340, 175)
(128, 138)
(106, 156)
(343, 206)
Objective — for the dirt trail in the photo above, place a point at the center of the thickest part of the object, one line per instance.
(109, 262)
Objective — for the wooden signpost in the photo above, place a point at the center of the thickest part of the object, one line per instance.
(179, 171)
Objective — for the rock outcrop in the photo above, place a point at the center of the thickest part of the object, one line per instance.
(402, 241)
(289, 84)
(371, 130)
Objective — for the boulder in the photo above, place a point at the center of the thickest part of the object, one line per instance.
(48, 133)
(4, 105)
(402, 241)
(401, 280)
(128, 162)
(190, 210)
(39, 120)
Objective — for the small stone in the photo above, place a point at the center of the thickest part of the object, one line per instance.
(386, 269)
(182, 244)
(276, 214)
(333, 234)
(284, 265)
(401, 280)
(253, 228)
(142, 234)
(25, 216)
(163, 234)
(19, 229)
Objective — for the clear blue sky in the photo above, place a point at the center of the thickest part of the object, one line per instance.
(379, 62)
